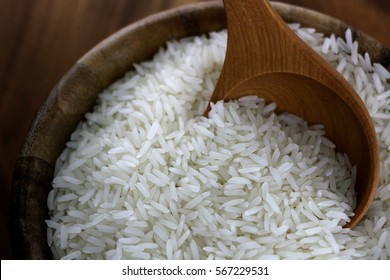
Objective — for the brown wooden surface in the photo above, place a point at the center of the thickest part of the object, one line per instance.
(42, 39)
(287, 64)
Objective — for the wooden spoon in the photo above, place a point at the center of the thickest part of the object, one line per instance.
(265, 58)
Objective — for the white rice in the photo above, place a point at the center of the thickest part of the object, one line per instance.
(146, 177)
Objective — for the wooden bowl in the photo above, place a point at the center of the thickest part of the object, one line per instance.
(76, 92)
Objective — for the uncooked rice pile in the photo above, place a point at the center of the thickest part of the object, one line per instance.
(145, 176)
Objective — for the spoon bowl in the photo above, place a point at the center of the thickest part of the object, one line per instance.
(265, 58)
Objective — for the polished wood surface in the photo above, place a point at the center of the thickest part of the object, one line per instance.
(42, 39)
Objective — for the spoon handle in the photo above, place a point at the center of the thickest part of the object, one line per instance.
(257, 33)
(260, 42)
(249, 39)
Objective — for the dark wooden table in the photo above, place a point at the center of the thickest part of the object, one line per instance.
(41, 39)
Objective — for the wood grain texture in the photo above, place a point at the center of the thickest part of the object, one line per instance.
(42, 39)
(33, 180)
(264, 57)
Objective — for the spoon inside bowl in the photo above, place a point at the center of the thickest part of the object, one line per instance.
(265, 58)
